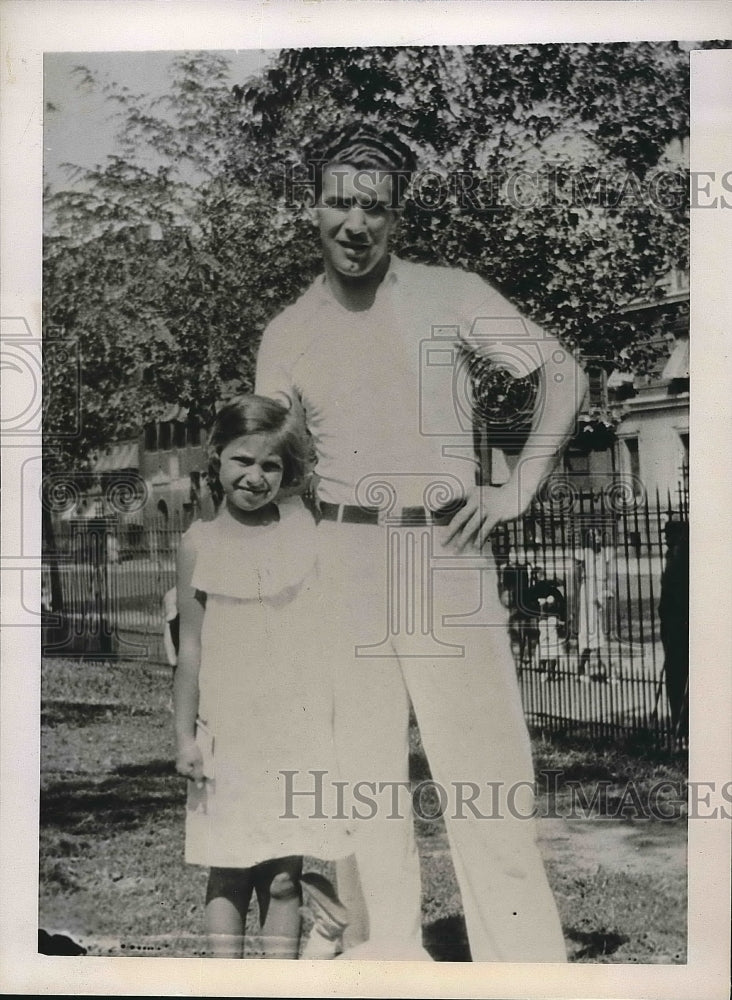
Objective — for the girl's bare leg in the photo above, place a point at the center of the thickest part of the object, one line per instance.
(279, 895)
(227, 901)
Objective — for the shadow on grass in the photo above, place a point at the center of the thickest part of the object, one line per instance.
(86, 713)
(76, 713)
(122, 801)
(58, 944)
(447, 939)
(595, 943)
(151, 768)
(581, 748)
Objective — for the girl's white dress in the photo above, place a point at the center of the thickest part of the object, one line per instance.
(265, 704)
(549, 641)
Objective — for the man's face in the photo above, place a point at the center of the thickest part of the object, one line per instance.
(356, 218)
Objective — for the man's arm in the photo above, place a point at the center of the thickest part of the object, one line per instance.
(564, 385)
(273, 377)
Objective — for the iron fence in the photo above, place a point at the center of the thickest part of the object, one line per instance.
(596, 584)
(103, 582)
(598, 590)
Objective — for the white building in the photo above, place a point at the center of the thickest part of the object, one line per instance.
(653, 434)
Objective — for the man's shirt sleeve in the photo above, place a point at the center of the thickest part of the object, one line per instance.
(495, 329)
(274, 371)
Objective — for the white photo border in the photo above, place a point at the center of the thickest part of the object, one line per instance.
(31, 27)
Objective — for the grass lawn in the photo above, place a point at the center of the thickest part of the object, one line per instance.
(112, 873)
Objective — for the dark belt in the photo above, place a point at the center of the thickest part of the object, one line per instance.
(348, 514)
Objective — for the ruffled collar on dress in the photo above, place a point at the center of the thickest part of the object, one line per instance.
(257, 561)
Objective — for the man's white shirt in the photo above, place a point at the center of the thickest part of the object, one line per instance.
(383, 392)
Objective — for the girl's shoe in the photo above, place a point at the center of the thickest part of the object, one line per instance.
(318, 947)
(330, 917)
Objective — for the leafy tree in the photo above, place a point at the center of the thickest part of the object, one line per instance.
(166, 262)
(585, 126)
(161, 265)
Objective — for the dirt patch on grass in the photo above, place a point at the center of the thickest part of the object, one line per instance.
(620, 887)
(639, 847)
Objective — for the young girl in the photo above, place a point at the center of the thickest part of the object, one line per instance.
(251, 700)
(549, 646)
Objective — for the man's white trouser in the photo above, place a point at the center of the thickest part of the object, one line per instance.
(393, 590)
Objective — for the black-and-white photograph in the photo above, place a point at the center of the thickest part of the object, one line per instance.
(365, 503)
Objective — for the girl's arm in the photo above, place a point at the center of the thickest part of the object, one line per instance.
(185, 685)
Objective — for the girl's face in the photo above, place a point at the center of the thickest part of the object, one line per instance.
(251, 472)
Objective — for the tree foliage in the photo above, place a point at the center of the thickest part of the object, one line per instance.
(166, 262)
(538, 163)
(161, 265)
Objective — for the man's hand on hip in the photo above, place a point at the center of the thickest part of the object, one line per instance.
(485, 507)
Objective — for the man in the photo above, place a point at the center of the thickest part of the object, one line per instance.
(673, 612)
(388, 423)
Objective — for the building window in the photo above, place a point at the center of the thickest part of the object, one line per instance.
(576, 471)
(193, 431)
(598, 386)
(151, 437)
(164, 436)
(631, 462)
(684, 437)
(179, 434)
(577, 463)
